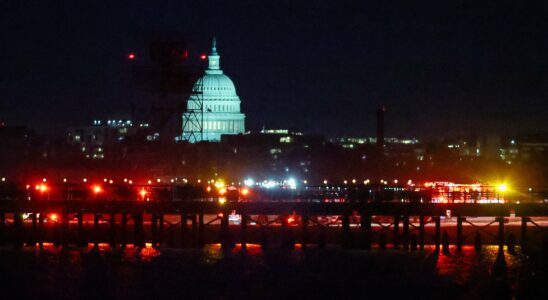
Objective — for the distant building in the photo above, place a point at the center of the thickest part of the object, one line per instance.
(101, 137)
(470, 146)
(525, 147)
(353, 142)
(220, 114)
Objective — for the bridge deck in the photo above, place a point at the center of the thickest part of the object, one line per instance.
(276, 208)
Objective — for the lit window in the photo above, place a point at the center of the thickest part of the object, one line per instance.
(285, 139)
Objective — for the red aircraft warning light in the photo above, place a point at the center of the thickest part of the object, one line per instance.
(203, 56)
(131, 56)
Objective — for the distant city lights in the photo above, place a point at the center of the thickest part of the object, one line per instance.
(249, 182)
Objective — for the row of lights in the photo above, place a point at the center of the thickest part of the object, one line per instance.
(291, 182)
(96, 188)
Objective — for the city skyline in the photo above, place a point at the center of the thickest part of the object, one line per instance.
(440, 70)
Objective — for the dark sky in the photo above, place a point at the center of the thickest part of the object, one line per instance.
(441, 67)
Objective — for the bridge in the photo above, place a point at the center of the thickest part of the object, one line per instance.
(286, 224)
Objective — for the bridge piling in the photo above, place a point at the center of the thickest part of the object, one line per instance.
(154, 229)
(244, 231)
(500, 236)
(194, 231)
(406, 232)
(34, 235)
(524, 221)
(112, 231)
(445, 243)
(396, 232)
(304, 231)
(287, 241)
(138, 238)
(459, 233)
(322, 236)
(41, 232)
(264, 237)
(346, 238)
(2, 227)
(437, 234)
(18, 229)
(80, 226)
(413, 242)
(365, 229)
(477, 243)
(123, 230)
(161, 224)
(225, 232)
(184, 231)
(201, 230)
(96, 235)
(65, 229)
(421, 232)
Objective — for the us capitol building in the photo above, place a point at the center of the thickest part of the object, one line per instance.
(221, 104)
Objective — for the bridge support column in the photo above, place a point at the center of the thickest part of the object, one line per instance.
(244, 231)
(195, 231)
(406, 232)
(160, 238)
(396, 232)
(201, 229)
(346, 238)
(123, 231)
(112, 232)
(18, 229)
(524, 221)
(421, 232)
(459, 233)
(41, 232)
(365, 229)
(437, 235)
(138, 238)
(65, 229)
(154, 229)
(287, 240)
(184, 231)
(500, 236)
(34, 235)
(2, 227)
(81, 233)
(226, 242)
(96, 230)
(304, 231)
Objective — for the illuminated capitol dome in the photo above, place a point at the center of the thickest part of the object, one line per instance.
(221, 104)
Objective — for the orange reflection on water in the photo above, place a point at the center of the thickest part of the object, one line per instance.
(148, 252)
(461, 266)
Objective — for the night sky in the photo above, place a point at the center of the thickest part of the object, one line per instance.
(441, 68)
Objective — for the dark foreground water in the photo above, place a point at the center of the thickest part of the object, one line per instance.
(276, 274)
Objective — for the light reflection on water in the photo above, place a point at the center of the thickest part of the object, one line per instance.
(465, 273)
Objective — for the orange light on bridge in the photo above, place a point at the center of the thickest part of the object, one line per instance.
(97, 189)
(42, 188)
(143, 193)
(53, 217)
